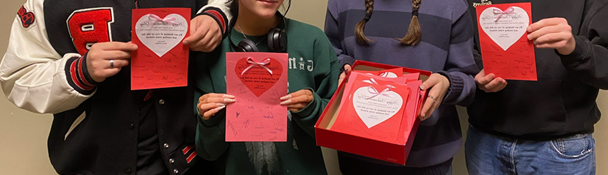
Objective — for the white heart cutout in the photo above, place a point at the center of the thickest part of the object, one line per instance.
(388, 75)
(159, 36)
(385, 75)
(374, 109)
(508, 29)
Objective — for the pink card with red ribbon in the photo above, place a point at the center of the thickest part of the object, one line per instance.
(161, 60)
(257, 80)
(505, 48)
(374, 108)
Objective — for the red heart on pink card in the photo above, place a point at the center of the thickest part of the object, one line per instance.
(258, 75)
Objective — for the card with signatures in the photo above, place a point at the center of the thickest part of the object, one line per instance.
(161, 60)
(505, 48)
(257, 80)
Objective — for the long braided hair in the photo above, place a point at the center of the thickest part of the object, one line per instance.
(360, 27)
(413, 33)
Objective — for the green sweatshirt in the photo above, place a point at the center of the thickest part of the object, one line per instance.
(312, 65)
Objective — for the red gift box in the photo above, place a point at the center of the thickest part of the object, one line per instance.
(395, 152)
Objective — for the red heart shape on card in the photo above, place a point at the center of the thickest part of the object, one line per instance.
(258, 75)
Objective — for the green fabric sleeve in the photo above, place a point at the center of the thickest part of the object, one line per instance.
(210, 139)
(326, 76)
(210, 134)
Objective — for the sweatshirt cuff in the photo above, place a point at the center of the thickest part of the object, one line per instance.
(345, 59)
(219, 17)
(310, 108)
(456, 86)
(580, 54)
(214, 120)
(78, 76)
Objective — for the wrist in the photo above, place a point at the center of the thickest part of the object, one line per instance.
(219, 17)
(569, 48)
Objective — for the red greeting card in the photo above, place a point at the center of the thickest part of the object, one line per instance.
(396, 76)
(374, 109)
(411, 108)
(505, 48)
(161, 60)
(257, 80)
(409, 77)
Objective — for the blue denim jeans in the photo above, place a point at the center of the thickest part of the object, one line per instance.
(490, 154)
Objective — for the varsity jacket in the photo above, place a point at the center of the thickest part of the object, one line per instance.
(95, 126)
(562, 102)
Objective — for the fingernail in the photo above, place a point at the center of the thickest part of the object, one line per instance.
(220, 104)
(285, 97)
(134, 46)
(229, 100)
(286, 102)
(421, 87)
(220, 108)
(228, 96)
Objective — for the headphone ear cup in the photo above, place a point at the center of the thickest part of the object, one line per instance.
(276, 40)
(246, 45)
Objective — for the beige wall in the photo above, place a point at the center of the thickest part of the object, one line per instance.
(23, 134)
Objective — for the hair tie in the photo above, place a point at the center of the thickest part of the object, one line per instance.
(415, 12)
(367, 16)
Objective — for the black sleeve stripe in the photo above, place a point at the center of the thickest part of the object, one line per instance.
(72, 77)
(219, 17)
(85, 72)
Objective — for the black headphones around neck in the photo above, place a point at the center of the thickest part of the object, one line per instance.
(275, 38)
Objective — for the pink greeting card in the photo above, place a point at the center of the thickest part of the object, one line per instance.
(257, 80)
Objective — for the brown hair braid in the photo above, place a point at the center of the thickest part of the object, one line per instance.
(360, 27)
(413, 32)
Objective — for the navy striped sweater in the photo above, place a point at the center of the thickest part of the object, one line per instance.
(445, 47)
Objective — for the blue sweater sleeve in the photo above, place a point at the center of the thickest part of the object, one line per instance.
(460, 67)
(334, 34)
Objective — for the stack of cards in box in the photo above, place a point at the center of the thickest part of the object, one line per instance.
(379, 105)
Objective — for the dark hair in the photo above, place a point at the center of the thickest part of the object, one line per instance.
(413, 33)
